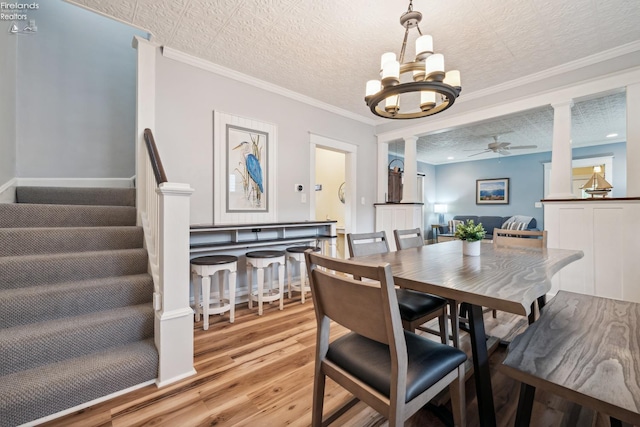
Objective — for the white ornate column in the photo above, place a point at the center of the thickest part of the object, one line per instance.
(633, 140)
(410, 187)
(560, 182)
(383, 161)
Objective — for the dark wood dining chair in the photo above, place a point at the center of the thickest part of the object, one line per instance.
(416, 308)
(412, 238)
(394, 371)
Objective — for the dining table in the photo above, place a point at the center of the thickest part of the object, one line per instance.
(502, 278)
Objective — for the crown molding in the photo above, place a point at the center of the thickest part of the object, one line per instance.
(555, 71)
(203, 64)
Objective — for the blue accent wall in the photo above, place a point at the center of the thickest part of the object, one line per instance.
(456, 182)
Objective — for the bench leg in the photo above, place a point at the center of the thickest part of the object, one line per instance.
(525, 404)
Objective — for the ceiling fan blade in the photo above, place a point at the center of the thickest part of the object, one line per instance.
(482, 152)
(504, 152)
(521, 147)
(503, 145)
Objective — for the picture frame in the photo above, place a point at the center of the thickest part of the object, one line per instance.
(244, 170)
(492, 191)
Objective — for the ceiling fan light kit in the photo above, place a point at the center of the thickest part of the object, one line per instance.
(424, 75)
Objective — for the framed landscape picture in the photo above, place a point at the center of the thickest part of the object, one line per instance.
(492, 191)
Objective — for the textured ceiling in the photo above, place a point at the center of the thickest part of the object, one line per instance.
(592, 120)
(327, 50)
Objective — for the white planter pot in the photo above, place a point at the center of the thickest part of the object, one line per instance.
(471, 248)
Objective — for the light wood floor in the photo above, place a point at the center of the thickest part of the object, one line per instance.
(259, 372)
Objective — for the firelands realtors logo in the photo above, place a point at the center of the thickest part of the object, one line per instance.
(18, 12)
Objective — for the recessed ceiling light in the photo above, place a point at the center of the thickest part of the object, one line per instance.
(612, 135)
(450, 158)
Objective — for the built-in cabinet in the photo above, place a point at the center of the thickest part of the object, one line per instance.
(401, 216)
(605, 230)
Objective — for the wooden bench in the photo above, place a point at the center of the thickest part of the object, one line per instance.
(585, 349)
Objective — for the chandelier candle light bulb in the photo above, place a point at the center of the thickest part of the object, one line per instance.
(424, 74)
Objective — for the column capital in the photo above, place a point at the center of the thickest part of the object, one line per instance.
(567, 103)
(412, 138)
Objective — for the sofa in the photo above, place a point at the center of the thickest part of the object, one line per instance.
(488, 222)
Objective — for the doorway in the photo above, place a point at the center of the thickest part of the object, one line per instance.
(334, 163)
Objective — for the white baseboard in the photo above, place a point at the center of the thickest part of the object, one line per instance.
(87, 404)
(8, 191)
(77, 182)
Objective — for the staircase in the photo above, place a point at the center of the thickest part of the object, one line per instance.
(76, 319)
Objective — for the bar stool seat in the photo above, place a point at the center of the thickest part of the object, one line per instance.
(225, 266)
(261, 260)
(296, 254)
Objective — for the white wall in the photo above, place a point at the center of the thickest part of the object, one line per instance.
(75, 96)
(330, 166)
(7, 106)
(186, 99)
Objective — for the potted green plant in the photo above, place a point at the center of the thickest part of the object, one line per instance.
(471, 235)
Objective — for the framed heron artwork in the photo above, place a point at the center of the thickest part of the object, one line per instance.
(245, 169)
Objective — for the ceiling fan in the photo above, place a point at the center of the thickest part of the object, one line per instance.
(502, 148)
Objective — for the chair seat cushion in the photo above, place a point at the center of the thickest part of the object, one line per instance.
(370, 361)
(414, 305)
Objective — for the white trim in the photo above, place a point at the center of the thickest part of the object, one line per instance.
(351, 167)
(584, 88)
(8, 191)
(174, 314)
(261, 84)
(76, 182)
(161, 384)
(106, 15)
(87, 404)
(554, 71)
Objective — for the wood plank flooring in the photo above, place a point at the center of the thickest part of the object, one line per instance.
(259, 372)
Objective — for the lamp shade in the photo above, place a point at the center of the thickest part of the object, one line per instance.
(434, 67)
(424, 45)
(373, 87)
(386, 57)
(440, 208)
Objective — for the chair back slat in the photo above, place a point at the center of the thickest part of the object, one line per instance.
(520, 238)
(363, 244)
(406, 239)
(366, 308)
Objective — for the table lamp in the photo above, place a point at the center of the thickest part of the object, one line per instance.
(440, 209)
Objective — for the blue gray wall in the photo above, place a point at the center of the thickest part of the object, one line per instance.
(456, 183)
(75, 95)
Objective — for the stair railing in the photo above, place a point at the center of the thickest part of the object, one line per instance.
(163, 209)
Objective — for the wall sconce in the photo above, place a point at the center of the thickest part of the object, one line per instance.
(441, 209)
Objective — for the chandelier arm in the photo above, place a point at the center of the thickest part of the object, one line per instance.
(404, 45)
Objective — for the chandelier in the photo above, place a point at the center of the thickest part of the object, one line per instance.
(425, 76)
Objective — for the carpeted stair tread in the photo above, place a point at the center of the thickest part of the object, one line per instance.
(22, 215)
(36, 393)
(35, 270)
(29, 346)
(35, 304)
(77, 196)
(31, 241)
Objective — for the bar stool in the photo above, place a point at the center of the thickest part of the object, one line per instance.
(260, 260)
(296, 254)
(225, 266)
